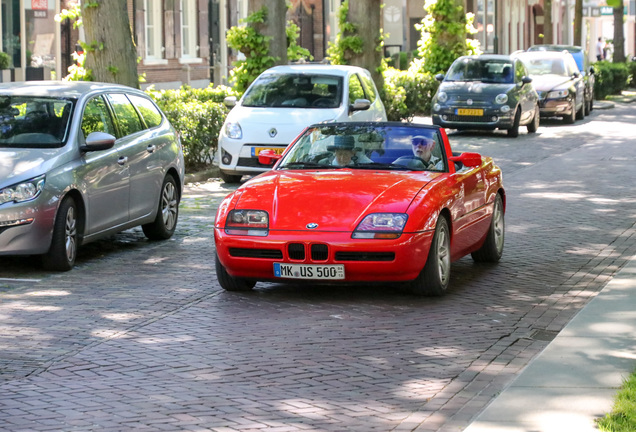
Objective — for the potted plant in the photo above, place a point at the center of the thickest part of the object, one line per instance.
(5, 63)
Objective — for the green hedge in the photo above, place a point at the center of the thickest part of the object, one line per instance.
(407, 93)
(611, 78)
(198, 115)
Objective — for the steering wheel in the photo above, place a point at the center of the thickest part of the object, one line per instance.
(323, 103)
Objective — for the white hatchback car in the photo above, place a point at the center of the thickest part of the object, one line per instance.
(282, 102)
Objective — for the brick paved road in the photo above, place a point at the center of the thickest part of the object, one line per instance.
(140, 336)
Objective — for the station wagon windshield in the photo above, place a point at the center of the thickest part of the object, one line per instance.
(483, 70)
(295, 91)
(33, 122)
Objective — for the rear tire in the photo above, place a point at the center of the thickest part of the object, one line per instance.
(165, 222)
(230, 178)
(228, 282)
(64, 243)
(434, 278)
(588, 107)
(492, 249)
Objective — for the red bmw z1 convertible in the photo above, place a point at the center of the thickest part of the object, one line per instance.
(362, 202)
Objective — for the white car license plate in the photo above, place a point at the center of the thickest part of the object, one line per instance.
(309, 271)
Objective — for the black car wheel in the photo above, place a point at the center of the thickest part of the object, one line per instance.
(228, 282)
(492, 249)
(588, 106)
(534, 124)
(580, 113)
(230, 178)
(513, 132)
(165, 222)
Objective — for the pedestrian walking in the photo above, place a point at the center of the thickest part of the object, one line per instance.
(600, 55)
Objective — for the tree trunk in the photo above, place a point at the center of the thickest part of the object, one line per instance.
(547, 22)
(619, 36)
(111, 54)
(365, 15)
(273, 27)
(578, 22)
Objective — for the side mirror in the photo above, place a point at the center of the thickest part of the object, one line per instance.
(439, 77)
(229, 101)
(526, 80)
(268, 157)
(360, 105)
(576, 74)
(467, 159)
(96, 141)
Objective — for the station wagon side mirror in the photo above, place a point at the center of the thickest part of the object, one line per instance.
(268, 157)
(96, 141)
(229, 101)
(439, 77)
(467, 159)
(360, 105)
(526, 80)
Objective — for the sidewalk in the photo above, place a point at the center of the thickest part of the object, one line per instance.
(574, 380)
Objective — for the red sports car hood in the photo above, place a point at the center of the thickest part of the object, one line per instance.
(336, 200)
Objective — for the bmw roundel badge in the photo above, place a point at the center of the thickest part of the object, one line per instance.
(312, 225)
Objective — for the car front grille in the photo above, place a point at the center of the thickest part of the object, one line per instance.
(365, 256)
(251, 162)
(296, 251)
(467, 119)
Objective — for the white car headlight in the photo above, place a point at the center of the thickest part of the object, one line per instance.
(442, 97)
(501, 98)
(233, 130)
(381, 226)
(25, 191)
(247, 222)
(557, 94)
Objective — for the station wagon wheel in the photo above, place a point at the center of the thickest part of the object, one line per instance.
(570, 118)
(588, 107)
(64, 243)
(434, 277)
(165, 222)
(580, 114)
(533, 126)
(513, 132)
(492, 248)
(228, 282)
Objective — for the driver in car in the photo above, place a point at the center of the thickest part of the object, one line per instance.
(423, 151)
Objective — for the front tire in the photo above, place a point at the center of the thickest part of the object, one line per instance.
(229, 282)
(434, 278)
(64, 243)
(513, 132)
(165, 222)
(492, 249)
(580, 114)
(571, 118)
(230, 178)
(533, 126)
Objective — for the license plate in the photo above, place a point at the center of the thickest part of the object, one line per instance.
(309, 271)
(469, 111)
(256, 150)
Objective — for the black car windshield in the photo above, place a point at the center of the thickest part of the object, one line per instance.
(367, 147)
(34, 122)
(484, 70)
(293, 90)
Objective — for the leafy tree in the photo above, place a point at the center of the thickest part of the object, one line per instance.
(619, 36)
(445, 30)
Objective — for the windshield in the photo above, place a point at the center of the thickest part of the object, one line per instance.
(367, 147)
(295, 90)
(33, 122)
(484, 70)
(546, 66)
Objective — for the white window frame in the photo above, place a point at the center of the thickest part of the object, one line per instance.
(153, 21)
(189, 33)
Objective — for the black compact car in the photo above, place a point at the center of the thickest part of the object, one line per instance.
(582, 62)
(558, 82)
(486, 92)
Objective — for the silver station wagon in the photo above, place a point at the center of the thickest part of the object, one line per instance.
(80, 161)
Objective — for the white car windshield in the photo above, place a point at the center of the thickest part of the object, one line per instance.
(294, 91)
(33, 122)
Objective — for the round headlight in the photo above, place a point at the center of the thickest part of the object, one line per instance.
(501, 98)
(436, 107)
(442, 97)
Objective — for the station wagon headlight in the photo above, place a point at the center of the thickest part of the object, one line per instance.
(442, 97)
(233, 130)
(381, 226)
(247, 222)
(557, 94)
(501, 98)
(25, 191)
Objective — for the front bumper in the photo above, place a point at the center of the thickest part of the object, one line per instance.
(238, 158)
(401, 259)
(490, 119)
(555, 107)
(26, 228)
